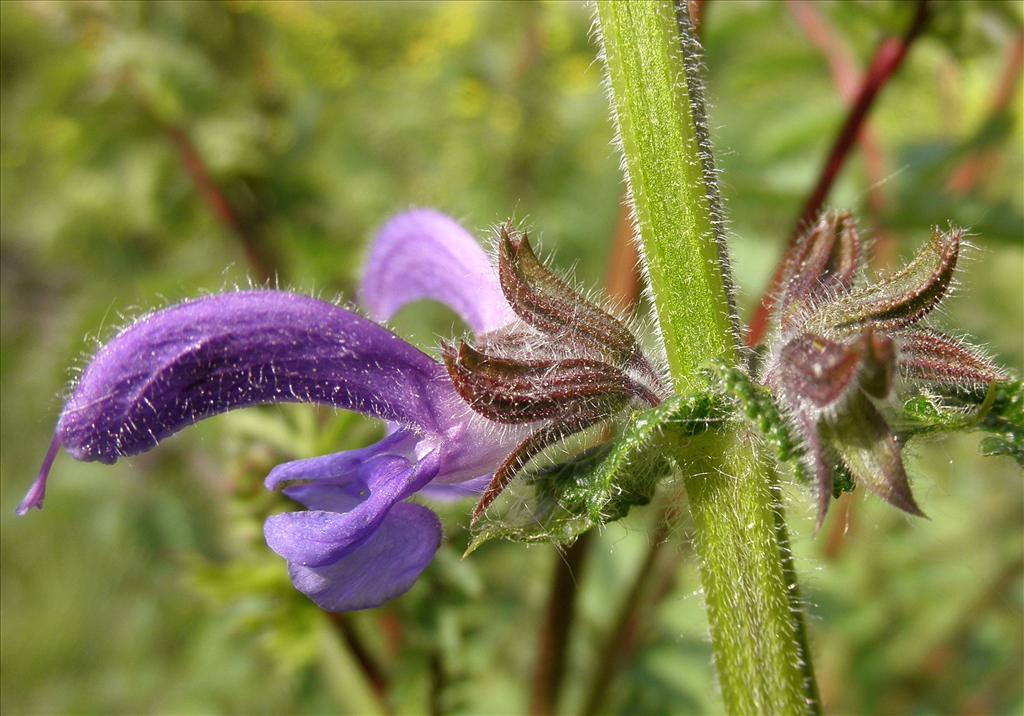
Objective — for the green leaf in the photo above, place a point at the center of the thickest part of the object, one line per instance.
(998, 410)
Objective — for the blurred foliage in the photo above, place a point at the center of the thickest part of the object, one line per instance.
(145, 587)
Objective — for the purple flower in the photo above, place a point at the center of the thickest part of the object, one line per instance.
(359, 543)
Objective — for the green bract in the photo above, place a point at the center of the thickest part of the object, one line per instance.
(601, 484)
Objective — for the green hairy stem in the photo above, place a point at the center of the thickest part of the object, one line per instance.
(749, 584)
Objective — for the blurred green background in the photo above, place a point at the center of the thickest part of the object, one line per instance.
(146, 587)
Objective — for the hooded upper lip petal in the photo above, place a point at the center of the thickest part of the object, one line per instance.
(212, 355)
(423, 254)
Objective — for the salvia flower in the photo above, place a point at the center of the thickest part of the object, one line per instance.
(840, 343)
(360, 542)
(549, 365)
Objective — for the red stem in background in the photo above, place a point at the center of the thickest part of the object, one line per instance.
(698, 14)
(216, 201)
(549, 670)
(653, 582)
(842, 518)
(209, 190)
(372, 671)
(886, 61)
(846, 75)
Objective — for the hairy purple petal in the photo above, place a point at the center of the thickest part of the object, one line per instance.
(423, 254)
(473, 445)
(381, 568)
(343, 514)
(185, 363)
(933, 357)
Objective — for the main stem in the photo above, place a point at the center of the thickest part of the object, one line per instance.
(757, 631)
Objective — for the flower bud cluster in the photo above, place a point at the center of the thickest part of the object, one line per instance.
(840, 344)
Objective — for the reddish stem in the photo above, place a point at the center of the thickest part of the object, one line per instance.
(554, 636)
(698, 13)
(842, 524)
(653, 582)
(209, 190)
(375, 676)
(886, 61)
(847, 78)
(215, 199)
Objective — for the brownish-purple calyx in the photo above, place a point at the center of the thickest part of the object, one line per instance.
(569, 365)
(840, 343)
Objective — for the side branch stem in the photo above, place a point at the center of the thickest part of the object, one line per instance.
(549, 671)
(652, 582)
(216, 201)
(375, 676)
(211, 193)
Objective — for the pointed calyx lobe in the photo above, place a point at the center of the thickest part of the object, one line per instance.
(840, 343)
(568, 365)
(549, 304)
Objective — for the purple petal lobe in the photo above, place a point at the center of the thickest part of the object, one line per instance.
(383, 567)
(197, 359)
(343, 469)
(423, 254)
(343, 518)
